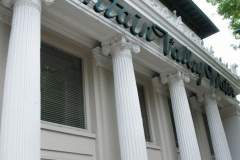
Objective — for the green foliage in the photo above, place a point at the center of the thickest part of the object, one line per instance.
(235, 47)
(229, 9)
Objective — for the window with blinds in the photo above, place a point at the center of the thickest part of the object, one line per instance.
(144, 112)
(208, 133)
(173, 122)
(62, 99)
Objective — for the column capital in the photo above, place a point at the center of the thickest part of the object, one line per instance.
(208, 96)
(158, 86)
(35, 3)
(195, 104)
(230, 111)
(174, 77)
(121, 45)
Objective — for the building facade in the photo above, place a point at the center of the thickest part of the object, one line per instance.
(114, 80)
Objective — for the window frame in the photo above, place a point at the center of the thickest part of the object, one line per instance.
(147, 89)
(85, 71)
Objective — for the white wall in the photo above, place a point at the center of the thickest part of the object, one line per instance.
(63, 142)
(4, 40)
(232, 130)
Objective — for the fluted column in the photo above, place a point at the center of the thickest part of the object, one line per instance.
(188, 144)
(168, 145)
(200, 129)
(219, 140)
(231, 123)
(130, 125)
(20, 132)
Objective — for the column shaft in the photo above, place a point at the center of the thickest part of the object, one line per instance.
(188, 144)
(20, 133)
(219, 140)
(130, 125)
(201, 135)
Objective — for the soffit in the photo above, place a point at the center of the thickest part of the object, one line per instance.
(192, 16)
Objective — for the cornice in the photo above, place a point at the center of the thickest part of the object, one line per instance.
(196, 46)
(179, 25)
(151, 47)
(6, 17)
(230, 112)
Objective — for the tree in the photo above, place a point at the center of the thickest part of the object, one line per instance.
(229, 9)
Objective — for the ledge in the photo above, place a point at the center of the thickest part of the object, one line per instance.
(66, 129)
(153, 146)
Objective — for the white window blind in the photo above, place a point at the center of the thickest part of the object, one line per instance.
(144, 112)
(62, 100)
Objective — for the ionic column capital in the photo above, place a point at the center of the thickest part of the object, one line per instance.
(35, 3)
(158, 86)
(194, 103)
(208, 97)
(120, 46)
(174, 78)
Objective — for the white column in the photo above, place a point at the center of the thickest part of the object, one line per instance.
(168, 145)
(130, 125)
(200, 129)
(219, 140)
(231, 124)
(188, 144)
(20, 132)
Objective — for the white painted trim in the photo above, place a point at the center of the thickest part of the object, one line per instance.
(66, 129)
(153, 146)
(85, 58)
(147, 89)
(230, 112)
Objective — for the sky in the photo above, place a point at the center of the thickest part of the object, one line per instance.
(222, 40)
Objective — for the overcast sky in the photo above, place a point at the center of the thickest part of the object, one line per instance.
(222, 40)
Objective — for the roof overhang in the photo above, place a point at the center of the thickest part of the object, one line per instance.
(192, 16)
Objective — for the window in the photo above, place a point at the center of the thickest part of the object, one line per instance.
(208, 133)
(144, 112)
(62, 99)
(173, 123)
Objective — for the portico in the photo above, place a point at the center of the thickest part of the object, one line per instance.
(120, 77)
